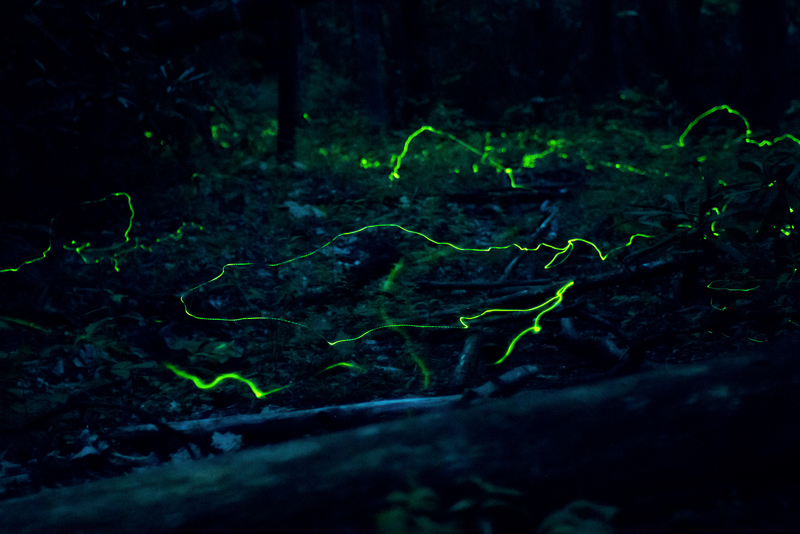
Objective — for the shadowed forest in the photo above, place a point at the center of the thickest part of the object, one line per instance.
(230, 225)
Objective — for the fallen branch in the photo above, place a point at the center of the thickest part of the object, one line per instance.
(281, 426)
(725, 427)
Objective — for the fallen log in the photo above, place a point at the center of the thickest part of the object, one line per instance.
(273, 427)
(730, 423)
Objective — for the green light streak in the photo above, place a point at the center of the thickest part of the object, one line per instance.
(545, 307)
(227, 376)
(732, 289)
(561, 255)
(485, 158)
(536, 328)
(630, 241)
(368, 164)
(747, 134)
(80, 248)
(393, 274)
(177, 235)
(529, 160)
(25, 323)
(234, 376)
(387, 287)
(28, 262)
(343, 364)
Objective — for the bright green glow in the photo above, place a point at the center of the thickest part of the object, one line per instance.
(343, 364)
(630, 241)
(216, 128)
(732, 289)
(485, 159)
(176, 235)
(389, 282)
(232, 376)
(547, 305)
(80, 248)
(368, 164)
(24, 263)
(216, 133)
(563, 251)
(561, 255)
(387, 288)
(715, 307)
(621, 167)
(567, 250)
(271, 130)
(529, 160)
(747, 134)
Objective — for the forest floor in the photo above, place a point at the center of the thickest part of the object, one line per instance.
(353, 275)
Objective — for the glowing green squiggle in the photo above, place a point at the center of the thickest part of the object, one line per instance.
(234, 376)
(79, 249)
(398, 159)
(549, 305)
(24, 263)
(227, 376)
(561, 255)
(747, 134)
(545, 307)
(387, 287)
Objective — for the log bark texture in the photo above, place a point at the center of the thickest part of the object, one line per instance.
(283, 426)
(731, 421)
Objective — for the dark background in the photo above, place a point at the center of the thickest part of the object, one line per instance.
(81, 81)
(258, 133)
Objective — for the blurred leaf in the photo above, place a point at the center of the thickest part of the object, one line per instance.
(752, 166)
(176, 343)
(123, 369)
(219, 351)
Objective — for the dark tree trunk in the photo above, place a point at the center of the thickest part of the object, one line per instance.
(670, 33)
(764, 38)
(366, 15)
(288, 60)
(600, 50)
(188, 27)
(416, 62)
